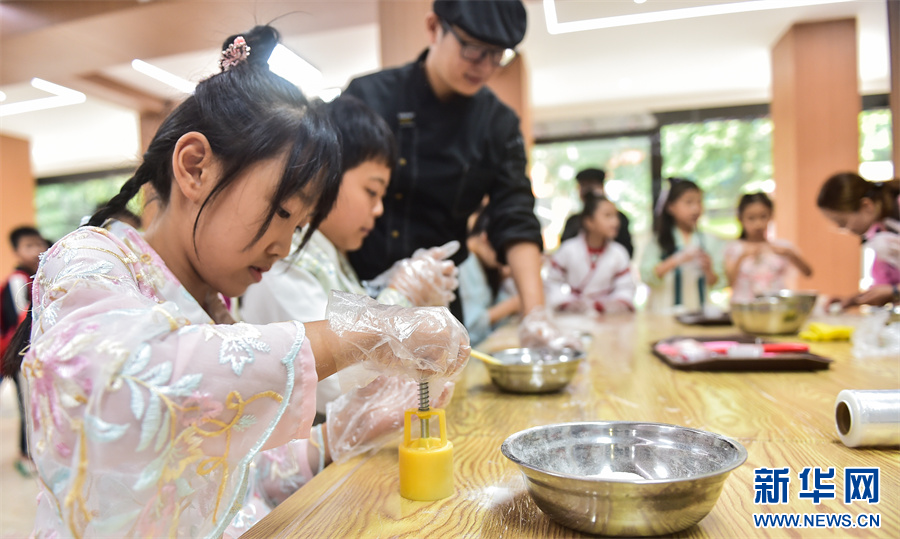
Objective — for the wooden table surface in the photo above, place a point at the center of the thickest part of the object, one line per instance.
(782, 418)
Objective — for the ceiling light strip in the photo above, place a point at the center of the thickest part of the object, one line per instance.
(62, 97)
(556, 27)
(182, 85)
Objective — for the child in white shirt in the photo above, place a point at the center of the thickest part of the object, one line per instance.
(591, 272)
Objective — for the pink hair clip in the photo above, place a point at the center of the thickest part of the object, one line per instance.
(236, 53)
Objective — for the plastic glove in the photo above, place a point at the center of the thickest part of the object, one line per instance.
(423, 343)
(427, 279)
(574, 303)
(363, 418)
(538, 330)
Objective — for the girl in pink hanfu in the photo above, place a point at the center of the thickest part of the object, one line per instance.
(148, 405)
(870, 210)
(591, 272)
(754, 264)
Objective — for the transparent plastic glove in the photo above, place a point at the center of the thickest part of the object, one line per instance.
(539, 330)
(366, 417)
(427, 278)
(611, 306)
(423, 343)
(574, 303)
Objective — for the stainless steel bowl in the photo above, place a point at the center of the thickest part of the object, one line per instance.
(779, 313)
(530, 370)
(567, 471)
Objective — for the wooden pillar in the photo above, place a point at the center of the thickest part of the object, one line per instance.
(403, 37)
(893, 7)
(815, 109)
(402, 25)
(16, 195)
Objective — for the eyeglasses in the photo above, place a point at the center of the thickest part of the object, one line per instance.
(476, 53)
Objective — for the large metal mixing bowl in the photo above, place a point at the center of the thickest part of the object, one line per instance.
(570, 470)
(779, 313)
(528, 370)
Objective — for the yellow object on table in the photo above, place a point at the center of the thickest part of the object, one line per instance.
(819, 331)
(426, 463)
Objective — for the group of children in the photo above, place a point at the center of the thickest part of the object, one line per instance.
(591, 272)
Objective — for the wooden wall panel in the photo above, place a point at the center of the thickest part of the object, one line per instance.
(16, 194)
(815, 108)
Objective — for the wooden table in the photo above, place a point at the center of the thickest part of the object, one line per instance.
(782, 418)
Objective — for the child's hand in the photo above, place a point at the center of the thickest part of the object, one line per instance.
(539, 330)
(361, 419)
(879, 294)
(427, 278)
(423, 343)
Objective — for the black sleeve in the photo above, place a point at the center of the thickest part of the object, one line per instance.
(511, 200)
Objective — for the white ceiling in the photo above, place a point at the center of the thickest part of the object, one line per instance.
(583, 81)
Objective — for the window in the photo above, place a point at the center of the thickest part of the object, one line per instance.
(726, 158)
(60, 203)
(626, 160)
(875, 145)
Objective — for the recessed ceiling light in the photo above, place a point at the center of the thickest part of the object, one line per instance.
(61, 97)
(556, 27)
(182, 85)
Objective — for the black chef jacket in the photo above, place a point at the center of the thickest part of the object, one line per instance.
(452, 154)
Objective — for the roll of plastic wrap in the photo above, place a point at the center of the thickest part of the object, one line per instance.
(868, 418)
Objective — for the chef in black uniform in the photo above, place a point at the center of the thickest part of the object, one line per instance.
(458, 143)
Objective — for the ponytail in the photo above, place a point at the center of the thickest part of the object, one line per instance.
(12, 356)
(119, 202)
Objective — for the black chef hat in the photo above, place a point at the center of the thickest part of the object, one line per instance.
(498, 22)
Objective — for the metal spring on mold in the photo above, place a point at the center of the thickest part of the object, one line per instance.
(424, 405)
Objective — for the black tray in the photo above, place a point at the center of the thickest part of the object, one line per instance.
(698, 318)
(793, 361)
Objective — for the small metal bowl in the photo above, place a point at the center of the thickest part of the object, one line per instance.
(569, 469)
(779, 313)
(530, 370)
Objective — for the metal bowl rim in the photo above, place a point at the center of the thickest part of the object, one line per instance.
(575, 357)
(742, 453)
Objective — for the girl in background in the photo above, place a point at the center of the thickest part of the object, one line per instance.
(484, 283)
(753, 264)
(591, 272)
(870, 210)
(677, 266)
(148, 406)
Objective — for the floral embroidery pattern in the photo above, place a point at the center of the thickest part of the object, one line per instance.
(135, 408)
